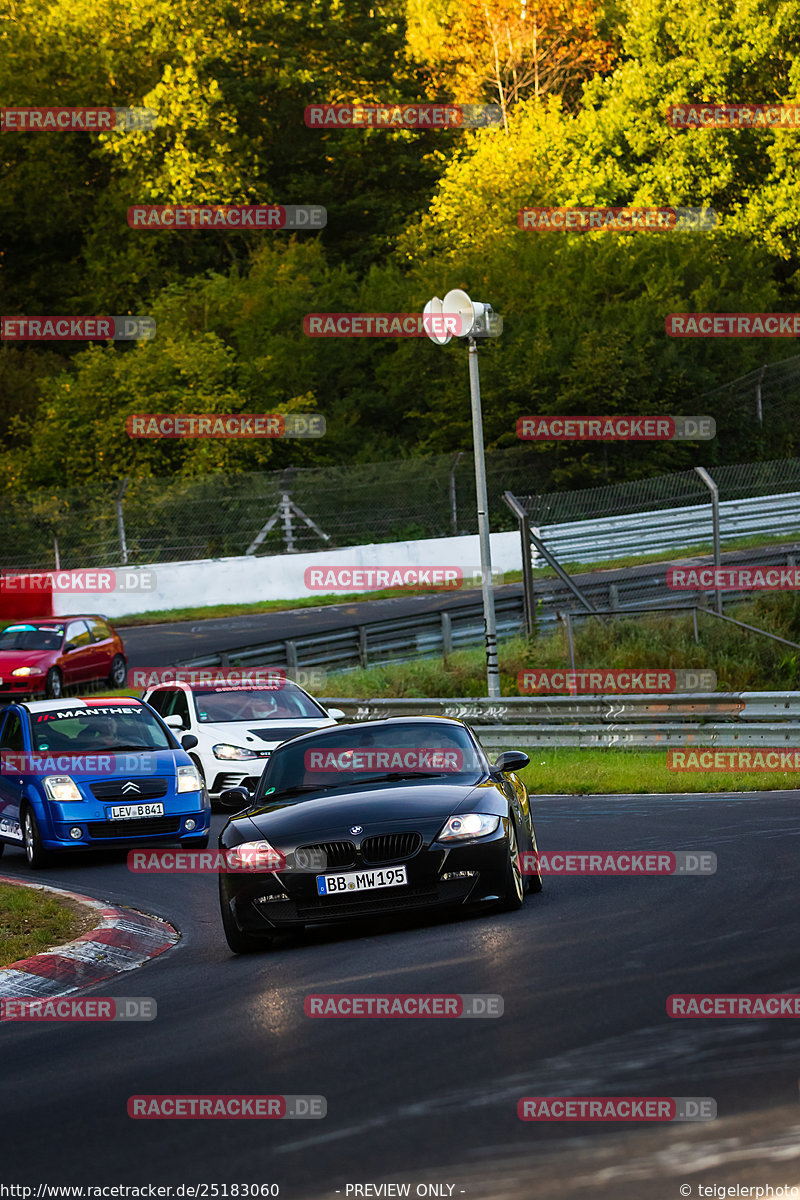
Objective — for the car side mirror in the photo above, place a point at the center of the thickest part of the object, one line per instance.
(188, 741)
(174, 722)
(336, 713)
(512, 760)
(234, 798)
(69, 646)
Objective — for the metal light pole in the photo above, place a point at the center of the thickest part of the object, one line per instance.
(472, 320)
(487, 587)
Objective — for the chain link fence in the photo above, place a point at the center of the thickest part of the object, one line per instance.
(173, 520)
(677, 490)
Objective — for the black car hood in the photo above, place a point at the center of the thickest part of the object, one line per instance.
(401, 803)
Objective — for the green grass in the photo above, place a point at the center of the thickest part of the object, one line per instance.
(742, 660)
(33, 921)
(562, 770)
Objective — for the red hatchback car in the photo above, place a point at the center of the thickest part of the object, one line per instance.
(48, 654)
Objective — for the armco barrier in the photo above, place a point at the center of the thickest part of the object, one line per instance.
(671, 528)
(708, 719)
(398, 640)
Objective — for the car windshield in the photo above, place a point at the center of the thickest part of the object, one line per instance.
(430, 750)
(31, 637)
(96, 728)
(255, 704)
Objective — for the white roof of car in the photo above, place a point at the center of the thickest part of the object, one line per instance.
(77, 702)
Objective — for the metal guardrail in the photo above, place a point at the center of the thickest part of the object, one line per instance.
(645, 588)
(398, 640)
(709, 719)
(670, 529)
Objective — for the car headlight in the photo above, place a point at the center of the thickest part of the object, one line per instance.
(254, 856)
(226, 751)
(188, 780)
(27, 671)
(61, 788)
(467, 825)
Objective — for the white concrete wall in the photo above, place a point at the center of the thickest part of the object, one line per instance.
(247, 580)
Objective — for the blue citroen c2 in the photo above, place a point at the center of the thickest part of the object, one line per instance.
(89, 773)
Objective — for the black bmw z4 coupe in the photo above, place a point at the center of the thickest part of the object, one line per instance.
(375, 818)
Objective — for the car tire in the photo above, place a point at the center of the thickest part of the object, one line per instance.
(35, 852)
(116, 676)
(54, 684)
(2, 848)
(239, 942)
(533, 883)
(513, 893)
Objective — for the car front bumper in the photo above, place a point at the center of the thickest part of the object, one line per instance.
(98, 831)
(440, 876)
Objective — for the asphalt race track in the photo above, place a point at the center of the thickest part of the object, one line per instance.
(585, 969)
(164, 644)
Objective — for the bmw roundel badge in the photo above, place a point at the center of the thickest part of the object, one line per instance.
(356, 828)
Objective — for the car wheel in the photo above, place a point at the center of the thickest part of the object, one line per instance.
(54, 684)
(240, 943)
(116, 676)
(35, 852)
(513, 888)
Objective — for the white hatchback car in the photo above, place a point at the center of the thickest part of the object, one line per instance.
(237, 727)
